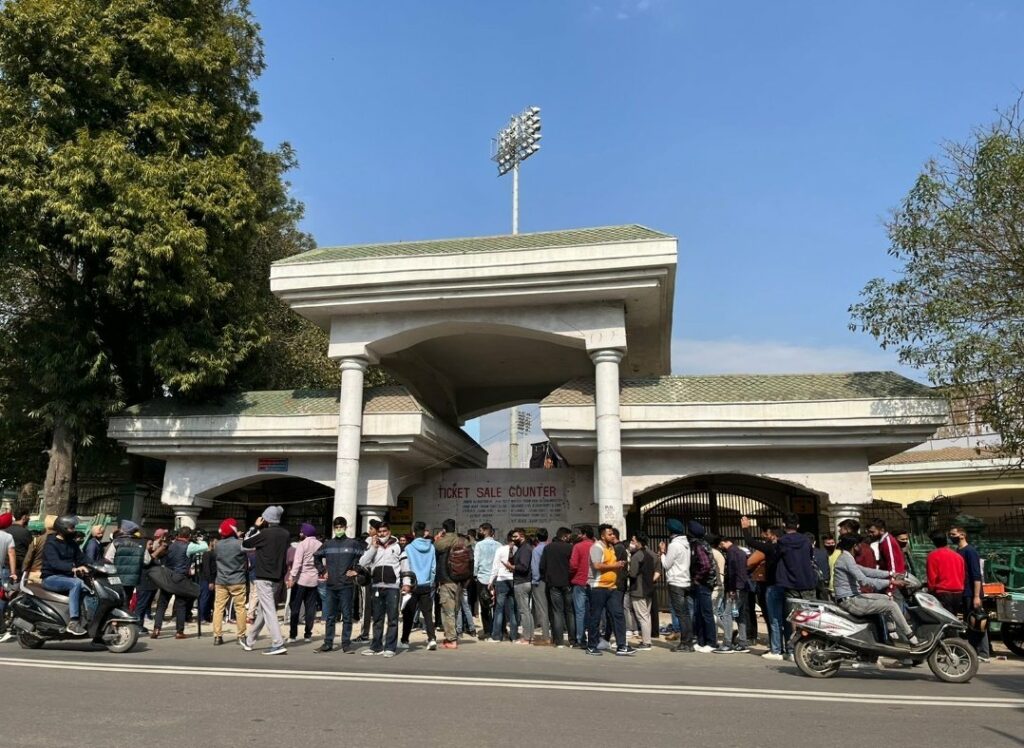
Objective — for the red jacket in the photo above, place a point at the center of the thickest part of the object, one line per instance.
(579, 562)
(890, 555)
(946, 571)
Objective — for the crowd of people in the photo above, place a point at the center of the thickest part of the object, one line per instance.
(586, 589)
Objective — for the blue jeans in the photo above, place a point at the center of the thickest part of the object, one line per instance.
(503, 608)
(73, 587)
(465, 613)
(679, 599)
(338, 600)
(704, 617)
(580, 604)
(385, 602)
(775, 597)
(602, 600)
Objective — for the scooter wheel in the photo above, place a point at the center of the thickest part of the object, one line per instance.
(28, 641)
(808, 654)
(120, 639)
(957, 665)
(1013, 637)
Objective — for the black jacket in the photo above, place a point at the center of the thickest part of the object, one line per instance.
(60, 557)
(337, 556)
(523, 563)
(554, 564)
(271, 545)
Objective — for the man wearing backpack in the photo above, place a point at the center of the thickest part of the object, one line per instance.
(676, 564)
(703, 579)
(454, 566)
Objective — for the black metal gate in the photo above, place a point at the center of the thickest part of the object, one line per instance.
(719, 511)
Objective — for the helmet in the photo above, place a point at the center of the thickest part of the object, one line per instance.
(64, 525)
(977, 620)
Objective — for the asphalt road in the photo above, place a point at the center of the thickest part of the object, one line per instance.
(183, 693)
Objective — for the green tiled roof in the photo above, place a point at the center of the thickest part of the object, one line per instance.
(504, 242)
(731, 388)
(279, 403)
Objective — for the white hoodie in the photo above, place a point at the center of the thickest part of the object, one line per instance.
(676, 562)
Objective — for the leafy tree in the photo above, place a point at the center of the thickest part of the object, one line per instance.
(138, 211)
(956, 305)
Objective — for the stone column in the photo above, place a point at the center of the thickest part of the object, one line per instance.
(350, 435)
(367, 513)
(608, 473)
(838, 512)
(185, 516)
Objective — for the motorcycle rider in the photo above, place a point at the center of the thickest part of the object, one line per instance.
(850, 578)
(62, 561)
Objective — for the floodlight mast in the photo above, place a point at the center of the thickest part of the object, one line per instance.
(515, 143)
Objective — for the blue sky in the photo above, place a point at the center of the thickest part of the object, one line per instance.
(771, 137)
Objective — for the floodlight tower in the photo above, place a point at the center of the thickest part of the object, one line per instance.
(515, 143)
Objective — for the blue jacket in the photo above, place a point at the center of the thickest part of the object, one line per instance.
(422, 560)
(795, 570)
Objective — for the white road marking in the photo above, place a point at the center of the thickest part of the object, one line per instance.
(520, 683)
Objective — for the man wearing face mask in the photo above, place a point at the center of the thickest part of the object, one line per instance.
(903, 541)
(335, 562)
(973, 581)
(483, 561)
(383, 559)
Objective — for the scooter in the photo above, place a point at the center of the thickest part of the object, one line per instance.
(825, 637)
(39, 615)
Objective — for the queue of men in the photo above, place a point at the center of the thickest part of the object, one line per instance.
(586, 589)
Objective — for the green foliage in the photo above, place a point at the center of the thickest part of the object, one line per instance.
(956, 306)
(139, 214)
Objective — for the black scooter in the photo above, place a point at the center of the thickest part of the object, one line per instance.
(39, 615)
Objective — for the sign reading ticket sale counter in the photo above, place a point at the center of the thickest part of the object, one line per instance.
(508, 498)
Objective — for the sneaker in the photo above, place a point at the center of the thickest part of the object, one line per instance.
(604, 645)
(278, 650)
(724, 649)
(687, 648)
(371, 653)
(703, 649)
(307, 639)
(218, 640)
(362, 638)
(432, 645)
(643, 647)
(772, 656)
(560, 646)
(631, 634)
(625, 652)
(490, 640)
(983, 658)
(75, 629)
(741, 649)
(913, 641)
(245, 645)
(403, 645)
(324, 648)
(449, 645)
(6, 637)
(388, 653)
(292, 639)
(672, 637)
(592, 652)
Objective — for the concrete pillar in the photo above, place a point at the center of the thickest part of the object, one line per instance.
(185, 516)
(350, 434)
(367, 513)
(838, 512)
(608, 478)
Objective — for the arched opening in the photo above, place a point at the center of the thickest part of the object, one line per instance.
(718, 501)
(303, 500)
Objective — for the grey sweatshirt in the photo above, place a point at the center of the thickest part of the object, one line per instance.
(849, 577)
